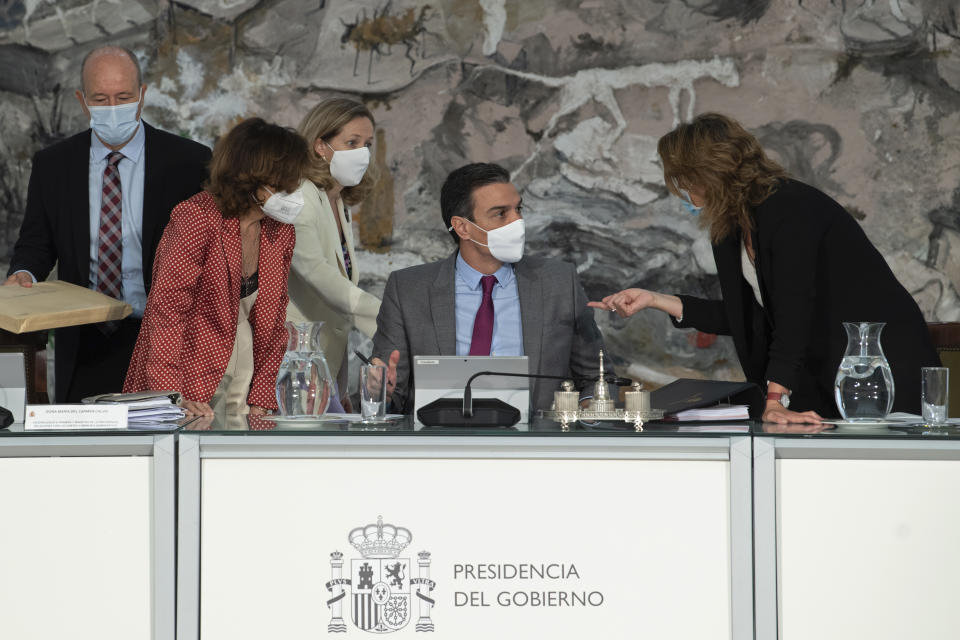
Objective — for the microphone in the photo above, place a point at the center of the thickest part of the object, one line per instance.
(468, 393)
(488, 412)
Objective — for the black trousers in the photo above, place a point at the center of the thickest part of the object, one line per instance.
(102, 360)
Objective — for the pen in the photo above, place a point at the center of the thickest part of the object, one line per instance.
(364, 359)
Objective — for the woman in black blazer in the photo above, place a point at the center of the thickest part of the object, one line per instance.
(793, 266)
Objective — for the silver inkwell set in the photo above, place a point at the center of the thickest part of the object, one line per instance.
(601, 407)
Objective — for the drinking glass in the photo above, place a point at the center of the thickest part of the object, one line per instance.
(934, 382)
(373, 392)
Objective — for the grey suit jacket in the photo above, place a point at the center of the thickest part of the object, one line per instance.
(418, 318)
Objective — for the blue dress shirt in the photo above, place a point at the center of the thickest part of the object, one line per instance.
(131, 169)
(507, 325)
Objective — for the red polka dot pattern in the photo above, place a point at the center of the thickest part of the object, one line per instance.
(190, 321)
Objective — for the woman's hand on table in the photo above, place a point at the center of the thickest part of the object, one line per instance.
(196, 408)
(777, 413)
(258, 411)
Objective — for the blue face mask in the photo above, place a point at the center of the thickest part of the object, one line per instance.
(688, 203)
(115, 124)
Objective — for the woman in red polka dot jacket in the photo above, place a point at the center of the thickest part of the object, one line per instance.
(213, 326)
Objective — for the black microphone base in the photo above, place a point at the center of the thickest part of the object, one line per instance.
(487, 412)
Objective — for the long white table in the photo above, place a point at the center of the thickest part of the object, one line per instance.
(509, 535)
(88, 532)
(856, 535)
(774, 534)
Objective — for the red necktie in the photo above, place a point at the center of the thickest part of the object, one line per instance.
(483, 323)
(110, 237)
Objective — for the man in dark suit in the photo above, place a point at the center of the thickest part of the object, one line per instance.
(97, 204)
(487, 298)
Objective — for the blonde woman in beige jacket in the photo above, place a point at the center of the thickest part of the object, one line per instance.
(324, 274)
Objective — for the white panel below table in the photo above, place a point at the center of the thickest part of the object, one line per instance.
(868, 549)
(651, 536)
(76, 555)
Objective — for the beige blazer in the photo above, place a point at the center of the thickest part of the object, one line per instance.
(318, 286)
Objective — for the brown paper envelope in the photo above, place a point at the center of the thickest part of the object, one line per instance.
(49, 305)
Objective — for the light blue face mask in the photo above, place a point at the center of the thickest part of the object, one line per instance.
(688, 203)
(692, 209)
(115, 124)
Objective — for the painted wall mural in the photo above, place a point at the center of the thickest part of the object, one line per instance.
(858, 97)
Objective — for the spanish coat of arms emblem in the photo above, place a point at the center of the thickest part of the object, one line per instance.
(383, 589)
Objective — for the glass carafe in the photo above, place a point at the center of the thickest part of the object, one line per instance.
(304, 385)
(864, 385)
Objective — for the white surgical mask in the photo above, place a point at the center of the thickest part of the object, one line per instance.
(347, 167)
(505, 243)
(283, 207)
(115, 124)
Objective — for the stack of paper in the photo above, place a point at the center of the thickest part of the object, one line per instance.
(719, 412)
(713, 428)
(148, 409)
(153, 410)
(676, 398)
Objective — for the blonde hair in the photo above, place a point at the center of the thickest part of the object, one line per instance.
(716, 155)
(324, 122)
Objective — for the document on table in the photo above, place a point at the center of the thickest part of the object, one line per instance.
(719, 412)
(713, 428)
(156, 415)
(145, 407)
(150, 403)
(685, 393)
(74, 417)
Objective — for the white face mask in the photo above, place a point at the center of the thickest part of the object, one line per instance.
(347, 167)
(115, 124)
(283, 207)
(505, 243)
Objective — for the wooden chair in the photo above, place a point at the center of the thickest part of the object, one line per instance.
(946, 340)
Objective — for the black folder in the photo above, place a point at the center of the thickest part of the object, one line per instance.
(688, 393)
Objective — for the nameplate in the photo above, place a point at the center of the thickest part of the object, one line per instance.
(75, 417)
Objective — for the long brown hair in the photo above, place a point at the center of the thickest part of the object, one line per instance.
(324, 122)
(253, 154)
(715, 155)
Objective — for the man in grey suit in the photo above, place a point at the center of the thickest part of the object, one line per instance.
(487, 298)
